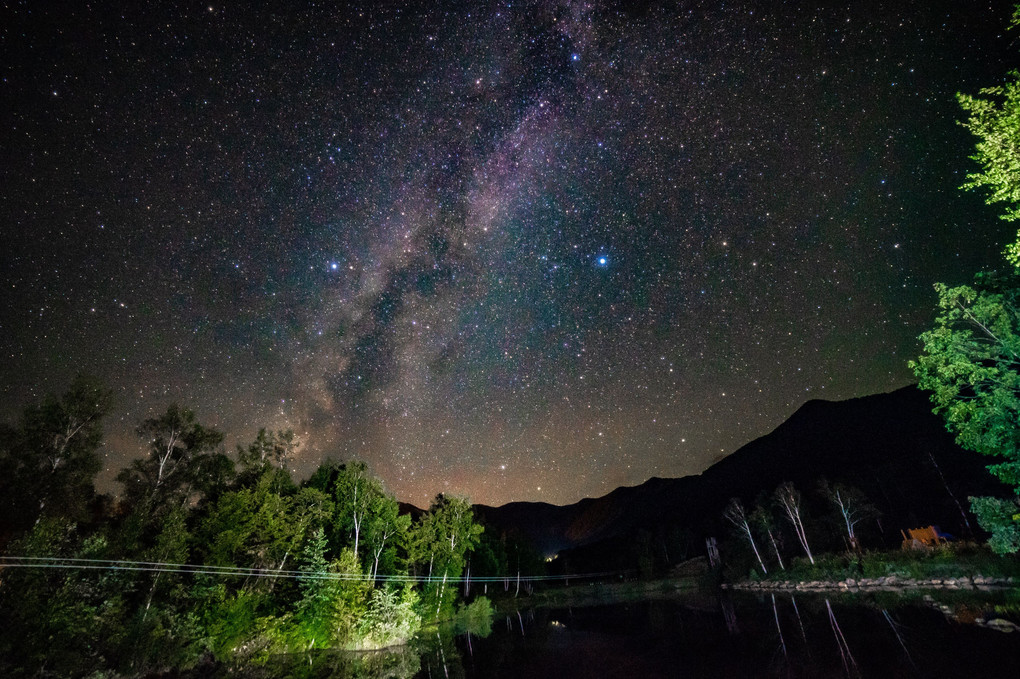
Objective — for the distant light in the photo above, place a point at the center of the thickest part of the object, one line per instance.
(575, 57)
(333, 266)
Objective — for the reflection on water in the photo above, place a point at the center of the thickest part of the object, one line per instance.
(704, 635)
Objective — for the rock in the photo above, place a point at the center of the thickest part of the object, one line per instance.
(1002, 625)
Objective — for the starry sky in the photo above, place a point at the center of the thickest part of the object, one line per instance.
(511, 250)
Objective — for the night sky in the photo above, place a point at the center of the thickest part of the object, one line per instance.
(509, 250)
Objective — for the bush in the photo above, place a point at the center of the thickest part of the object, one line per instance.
(945, 561)
(391, 618)
(474, 618)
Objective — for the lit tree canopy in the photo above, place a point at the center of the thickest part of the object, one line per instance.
(971, 365)
(994, 118)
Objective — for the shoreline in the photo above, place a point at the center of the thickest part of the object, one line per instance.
(891, 583)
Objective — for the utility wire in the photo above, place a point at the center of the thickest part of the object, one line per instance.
(237, 571)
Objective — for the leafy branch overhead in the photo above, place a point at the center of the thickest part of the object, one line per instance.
(994, 118)
(971, 358)
(971, 364)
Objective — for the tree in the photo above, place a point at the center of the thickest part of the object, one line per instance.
(318, 590)
(735, 514)
(59, 622)
(788, 499)
(171, 546)
(384, 526)
(176, 440)
(761, 518)
(853, 507)
(971, 366)
(334, 594)
(269, 449)
(443, 537)
(355, 493)
(390, 618)
(48, 462)
(971, 360)
(261, 526)
(1000, 517)
(994, 118)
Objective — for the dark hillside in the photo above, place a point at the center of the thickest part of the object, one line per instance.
(883, 444)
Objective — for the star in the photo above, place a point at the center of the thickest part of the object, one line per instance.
(509, 250)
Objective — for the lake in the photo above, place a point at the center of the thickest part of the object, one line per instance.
(711, 635)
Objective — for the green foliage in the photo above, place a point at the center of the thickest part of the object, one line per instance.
(163, 635)
(64, 620)
(437, 546)
(262, 526)
(391, 617)
(186, 504)
(971, 359)
(270, 449)
(474, 618)
(385, 529)
(994, 118)
(1001, 518)
(971, 364)
(953, 560)
(318, 591)
(48, 461)
(364, 516)
(228, 619)
(334, 596)
(177, 442)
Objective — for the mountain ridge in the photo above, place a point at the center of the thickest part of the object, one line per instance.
(885, 444)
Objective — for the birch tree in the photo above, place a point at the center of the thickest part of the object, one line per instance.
(788, 499)
(354, 493)
(175, 440)
(735, 514)
(49, 459)
(852, 506)
(761, 519)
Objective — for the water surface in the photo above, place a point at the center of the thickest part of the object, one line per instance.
(714, 635)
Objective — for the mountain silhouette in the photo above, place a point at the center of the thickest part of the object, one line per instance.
(890, 446)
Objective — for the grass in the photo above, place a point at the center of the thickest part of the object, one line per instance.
(946, 561)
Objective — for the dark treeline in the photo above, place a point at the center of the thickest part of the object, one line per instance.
(330, 562)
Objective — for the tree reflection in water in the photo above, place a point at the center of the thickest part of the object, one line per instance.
(695, 635)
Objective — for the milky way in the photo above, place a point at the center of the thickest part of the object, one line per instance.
(507, 250)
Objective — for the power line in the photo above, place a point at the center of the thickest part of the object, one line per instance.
(238, 571)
